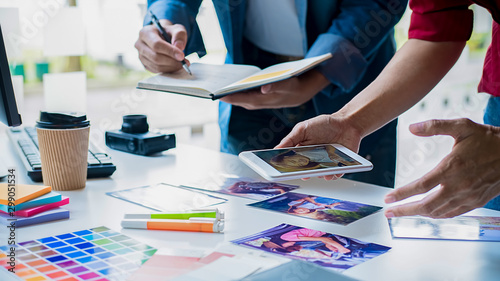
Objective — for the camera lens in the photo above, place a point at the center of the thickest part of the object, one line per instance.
(135, 124)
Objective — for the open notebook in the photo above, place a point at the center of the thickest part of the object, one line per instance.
(215, 81)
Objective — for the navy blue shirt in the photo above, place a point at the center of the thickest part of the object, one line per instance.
(359, 34)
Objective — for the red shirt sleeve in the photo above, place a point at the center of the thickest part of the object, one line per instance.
(441, 20)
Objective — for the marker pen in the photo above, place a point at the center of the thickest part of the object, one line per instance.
(201, 213)
(193, 224)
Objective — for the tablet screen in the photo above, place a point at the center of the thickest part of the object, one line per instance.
(306, 158)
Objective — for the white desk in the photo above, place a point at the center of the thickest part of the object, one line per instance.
(408, 259)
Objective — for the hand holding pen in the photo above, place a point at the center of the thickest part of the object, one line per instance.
(161, 46)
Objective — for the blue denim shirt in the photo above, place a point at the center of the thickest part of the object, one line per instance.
(358, 33)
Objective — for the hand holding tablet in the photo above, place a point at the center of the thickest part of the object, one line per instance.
(305, 161)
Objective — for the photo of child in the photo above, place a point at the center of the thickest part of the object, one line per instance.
(325, 249)
(243, 187)
(306, 158)
(318, 208)
(258, 189)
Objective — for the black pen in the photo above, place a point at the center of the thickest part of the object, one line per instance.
(166, 37)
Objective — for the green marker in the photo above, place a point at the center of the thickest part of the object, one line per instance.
(200, 213)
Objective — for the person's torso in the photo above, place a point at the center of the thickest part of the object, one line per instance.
(314, 17)
(491, 5)
(490, 81)
(275, 26)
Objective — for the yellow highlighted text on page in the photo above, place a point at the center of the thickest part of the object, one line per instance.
(263, 76)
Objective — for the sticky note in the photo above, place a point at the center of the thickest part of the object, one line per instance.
(21, 192)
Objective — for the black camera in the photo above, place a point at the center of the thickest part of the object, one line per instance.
(134, 137)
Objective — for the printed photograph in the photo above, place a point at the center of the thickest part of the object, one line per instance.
(471, 228)
(242, 186)
(318, 208)
(489, 229)
(325, 249)
(306, 158)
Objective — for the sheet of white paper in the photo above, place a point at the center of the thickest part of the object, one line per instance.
(223, 269)
(167, 198)
(65, 91)
(261, 262)
(64, 34)
(262, 259)
(13, 40)
(195, 253)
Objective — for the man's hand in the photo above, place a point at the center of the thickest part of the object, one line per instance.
(287, 93)
(468, 177)
(324, 129)
(156, 54)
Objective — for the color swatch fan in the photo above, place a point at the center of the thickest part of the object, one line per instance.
(92, 254)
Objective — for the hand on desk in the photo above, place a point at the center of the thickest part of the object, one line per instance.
(468, 177)
(156, 54)
(323, 129)
(287, 93)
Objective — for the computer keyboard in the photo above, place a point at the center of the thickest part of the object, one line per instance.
(26, 142)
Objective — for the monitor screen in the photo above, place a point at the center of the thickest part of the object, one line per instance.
(8, 108)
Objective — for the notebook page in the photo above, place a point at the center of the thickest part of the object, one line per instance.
(275, 73)
(206, 78)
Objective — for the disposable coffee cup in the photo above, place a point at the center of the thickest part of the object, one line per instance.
(63, 141)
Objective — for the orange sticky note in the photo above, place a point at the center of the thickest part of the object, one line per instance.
(21, 192)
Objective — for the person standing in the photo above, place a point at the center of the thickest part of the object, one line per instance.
(469, 176)
(358, 33)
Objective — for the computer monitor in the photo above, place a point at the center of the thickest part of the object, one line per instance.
(8, 107)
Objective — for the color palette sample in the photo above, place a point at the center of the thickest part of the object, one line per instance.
(167, 266)
(93, 254)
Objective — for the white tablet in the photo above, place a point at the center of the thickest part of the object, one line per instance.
(304, 161)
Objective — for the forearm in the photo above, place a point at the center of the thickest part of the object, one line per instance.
(181, 12)
(313, 81)
(415, 69)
